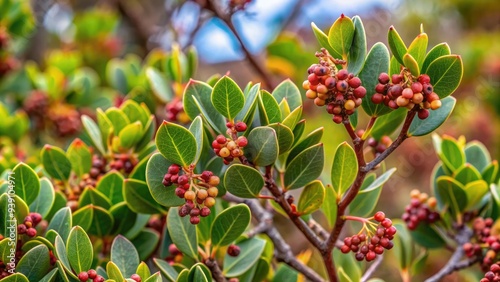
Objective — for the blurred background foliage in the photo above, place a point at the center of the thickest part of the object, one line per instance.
(66, 49)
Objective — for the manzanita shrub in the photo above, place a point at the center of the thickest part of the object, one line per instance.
(132, 199)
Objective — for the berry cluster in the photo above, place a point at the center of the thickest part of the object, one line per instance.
(233, 250)
(175, 111)
(404, 90)
(368, 246)
(421, 209)
(36, 104)
(123, 162)
(29, 224)
(175, 254)
(84, 276)
(199, 191)
(339, 90)
(98, 167)
(230, 148)
(493, 275)
(484, 239)
(65, 119)
(378, 147)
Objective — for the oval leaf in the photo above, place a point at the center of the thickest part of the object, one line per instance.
(376, 62)
(243, 181)
(176, 143)
(344, 168)
(262, 148)
(183, 233)
(230, 224)
(124, 255)
(437, 117)
(446, 73)
(227, 97)
(27, 184)
(340, 36)
(79, 249)
(251, 250)
(305, 167)
(311, 198)
(398, 47)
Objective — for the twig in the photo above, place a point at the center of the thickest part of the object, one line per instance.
(373, 267)
(455, 263)
(226, 16)
(318, 229)
(283, 251)
(215, 269)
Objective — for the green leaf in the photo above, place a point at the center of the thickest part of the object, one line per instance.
(158, 84)
(134, 112)
(490, 173)
(398, 47)
(16, 277)
(35, 263)
(176, 143)
(357, 53)
(269, 109)
(61, 222)
(243, 181)
(437, 51)
(143, 270)
(330, 205)
(155, 171)
(199, 273)
(230, 224)
(426, 236)
(477, 155)
(111, 185)
(124, 255)
(227, 97)
(475, 191)
(246, 114)
(166, 269)
(258, 271)
(79, 157)
(344, 168)
(287, 90)
(387, 124)
(45, 199)
(467, 173)
(348, 264)
(118, 119)
(61, 253)
(394, 66)
(91, 196)
(114, 272)
(183, 276)
(27, 184)
(305, 167)
(96, 220)
(292, 120)
(285, 273)
(51, 276)
(284, 136)
(376, 62)
(196, 100)
(446, 73)
(311, 198)
(146, 242)
(124, 218)
(203, 228)
(418, 48)
(451, 154)
(340, 36)
(79, 249)
(365, 202)
(138, 197)
(323, 40)
(403, 246)
(284, 109)
(131, 135)
(196, 128)
(55, 162)
(311, 139)
(411, 64)
(419, 264)
(262, 148)
(437, 117)
(251, 250)
(183, 233)
(105, 127)
(452, 193)
(94, 133)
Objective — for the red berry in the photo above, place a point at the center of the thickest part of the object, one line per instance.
(330, 82)
(386, 223)
(320, 71)
(416, 87)
(242, 141)
(174, 169)
(407, 93)
(379, 216)
(337, 119)
(205, 175)
(136, 278)
(99, 278)
(313, 79)
(370, 256)
(377, 98)
(195, 212)
(397, 78)
(342, 86)
(83, 276)
(380, 88)
(423, 114)
(221, 139)
(92, 274)
(179, 192)
(233, 250)
(359, 256)
(424, 79)
(31, 232)
(354, 82)
(21, 228)
(240, 126)
(205, 211)
(194, 220)
(183, 179)
(342, 74)
(383, 78)
(359, 92)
